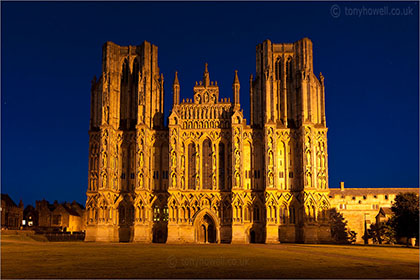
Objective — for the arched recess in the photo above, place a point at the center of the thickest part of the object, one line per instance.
(157, 166)
(278, 68)
(134, 93)
(207, 164)
(192, 166)
(125, 220)
(323, 210)
(291, 97)
(165, 165)
(125, 97)
(283, 213)
(258, 155)
(247, 164)
(222, 166)
(281, 165)
(160, 220)
(207, 227)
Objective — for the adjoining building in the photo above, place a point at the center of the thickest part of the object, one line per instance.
(385, 213)
(208, 176)
(30, 216)
(63, 217)
(362, 207)
(11, 214)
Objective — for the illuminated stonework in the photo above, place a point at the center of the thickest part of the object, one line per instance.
(208, 176)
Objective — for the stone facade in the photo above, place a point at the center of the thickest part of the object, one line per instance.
(11, 214)
(208, 176)
(67, 217)
(361, 206)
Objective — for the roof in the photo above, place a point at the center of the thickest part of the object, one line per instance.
(74, 203)
(373, 191)
(387, 210)
(8, 200)
(69, 208)
(70, 211)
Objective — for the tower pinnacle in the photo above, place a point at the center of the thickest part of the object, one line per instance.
(176, 87)
(236, 86)
(206, 76)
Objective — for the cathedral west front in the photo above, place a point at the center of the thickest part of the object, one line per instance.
(209, 176)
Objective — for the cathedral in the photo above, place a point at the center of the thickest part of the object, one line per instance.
(209, 176)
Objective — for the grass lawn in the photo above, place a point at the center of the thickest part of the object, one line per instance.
(22, 257)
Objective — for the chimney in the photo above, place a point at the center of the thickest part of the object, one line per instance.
(342, 186)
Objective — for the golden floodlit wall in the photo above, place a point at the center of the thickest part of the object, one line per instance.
(208, 177)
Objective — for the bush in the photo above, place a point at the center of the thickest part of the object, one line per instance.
(339, 231)
(406, 215)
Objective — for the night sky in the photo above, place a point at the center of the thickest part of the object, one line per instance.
(51, 51)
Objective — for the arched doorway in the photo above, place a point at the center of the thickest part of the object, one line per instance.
(206, 230)
(252, 236)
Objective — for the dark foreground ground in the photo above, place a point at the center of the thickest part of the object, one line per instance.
(22, 257)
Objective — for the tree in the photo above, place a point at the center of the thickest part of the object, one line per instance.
(383, 232)
(339, 231)
(388, 231)
(376, 233)
(406, 212)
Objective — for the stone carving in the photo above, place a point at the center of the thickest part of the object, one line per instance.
(237, 180)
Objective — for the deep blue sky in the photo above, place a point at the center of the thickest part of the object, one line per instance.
(51, 51)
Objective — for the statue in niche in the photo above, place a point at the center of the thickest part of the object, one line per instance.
(197, 159)
(308, 157)
(270, 156)
(104, 179)
(308, 179)
(237, 158)
(183, 161)
(104, 159)
(106, 114)
(173, 180)
(237, 179)
(141, 159)
(173, 158)
(182, 182)
(140, 179)
(271, 178)
(197, 181)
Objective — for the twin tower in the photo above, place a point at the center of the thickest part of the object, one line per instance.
(208, 176)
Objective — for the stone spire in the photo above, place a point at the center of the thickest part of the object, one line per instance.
(206, 76)
(236, 86)
(176, 88)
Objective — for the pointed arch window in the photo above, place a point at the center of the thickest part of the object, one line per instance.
(222, 166)
(292, 215)
(289, 69)
(256, 216)
(207, 164)
(191, 166)
(278, 69)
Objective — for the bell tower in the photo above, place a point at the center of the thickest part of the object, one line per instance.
(126, 106)
(288, 99)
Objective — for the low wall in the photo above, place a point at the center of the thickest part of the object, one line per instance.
(17, 232)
